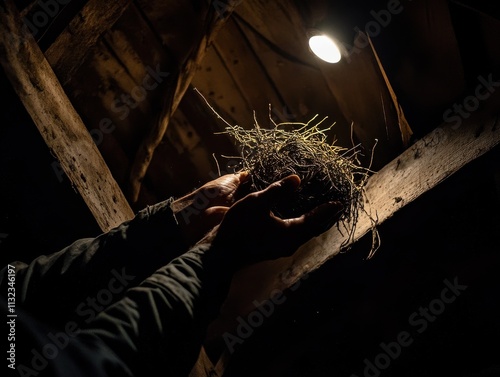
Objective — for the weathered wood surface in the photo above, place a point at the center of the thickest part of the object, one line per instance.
(69, 50)
(352, 93)
(281, 50)
(59, 124)
(122, 80)
(213, 20)
(421, 51)
(419, 169)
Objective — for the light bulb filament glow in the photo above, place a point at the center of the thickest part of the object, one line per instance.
(325, 48)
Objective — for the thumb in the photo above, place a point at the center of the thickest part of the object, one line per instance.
(214, 215)
(243, 176)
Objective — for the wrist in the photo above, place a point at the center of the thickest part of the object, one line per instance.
(223, 252)
(184, 216)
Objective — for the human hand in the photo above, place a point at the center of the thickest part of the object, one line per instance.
(199, 211)
(250, 232)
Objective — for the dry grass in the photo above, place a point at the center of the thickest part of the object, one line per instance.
(329, 173)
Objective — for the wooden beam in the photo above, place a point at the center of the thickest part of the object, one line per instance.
(280, 48)
(213, 22)
(64, 132)
(68, 52)
(420, 168)
(58, 122)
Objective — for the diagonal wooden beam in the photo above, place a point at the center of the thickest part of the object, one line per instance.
(68, 52)
(216, 16)
(59, 124)
(420, 168)
(64, 132)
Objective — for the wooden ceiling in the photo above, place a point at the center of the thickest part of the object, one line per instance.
(130, 69)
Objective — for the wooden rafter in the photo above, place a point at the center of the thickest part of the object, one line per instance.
(420, 168)
(59, 124)
(63, 130)
(214, 20)
(81, 34)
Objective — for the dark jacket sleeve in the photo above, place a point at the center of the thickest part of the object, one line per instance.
(156, 327)
(77, 282)
(161, 324)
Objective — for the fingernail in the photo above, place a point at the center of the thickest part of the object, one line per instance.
(292, 181)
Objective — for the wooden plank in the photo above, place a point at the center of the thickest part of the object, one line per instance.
(176, 23)
(366, 98)
(361, 88)
(284, 55)
(196, 110)
(58, 122)
(212, 22)
(119, 81)
(218, 87)
(420, 168)
(240, 60)
(180, 161)
(421, 54)
(69, 50)
(204, 367)
(405, 130)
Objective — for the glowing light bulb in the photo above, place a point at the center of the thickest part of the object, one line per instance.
(325, 48)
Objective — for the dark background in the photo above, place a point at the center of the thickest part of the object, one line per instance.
(341, 314)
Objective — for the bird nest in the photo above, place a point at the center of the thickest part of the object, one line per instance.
(328, 173)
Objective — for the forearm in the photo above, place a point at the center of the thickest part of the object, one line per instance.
(161, 324)
(121, 258)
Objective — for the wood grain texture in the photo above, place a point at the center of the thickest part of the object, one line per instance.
(69, 50)
(419, 169)
(58, 122)
(212, 23)
(281, 49)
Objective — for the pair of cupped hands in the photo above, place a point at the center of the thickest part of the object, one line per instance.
(240, 223)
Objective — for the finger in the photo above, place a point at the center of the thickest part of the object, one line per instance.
(214, 215)
(222, 190)
(245, 186)
(240, 181)
(314, 223)
(216, 212)
(277, 190)
(233, 179)
(243, 176)
(322, 218)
